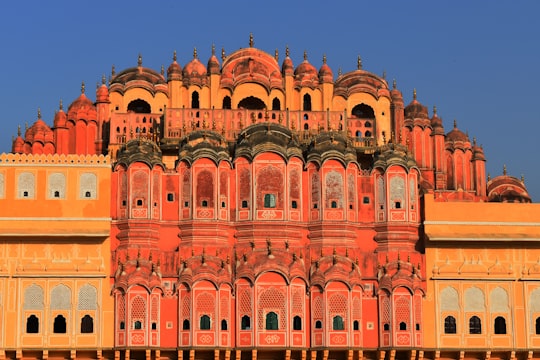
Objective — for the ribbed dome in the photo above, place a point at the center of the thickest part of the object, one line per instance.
(287, 68)
(213, 63)
(436, 121)
(325, 73)
(415, 109)
(305, 74)
(82, 108)
(456, 135)
(60, 118)
(195, 67)
(102, 93)
(174, 72)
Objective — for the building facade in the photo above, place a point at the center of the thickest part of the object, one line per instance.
(248, 208)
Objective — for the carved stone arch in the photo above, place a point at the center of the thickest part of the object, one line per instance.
(474, 300)
(449, 299)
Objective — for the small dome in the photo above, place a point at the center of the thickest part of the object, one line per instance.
(60, 118)
(415, 109)
(41, 132)
(507, 188)
(18, 143)
(213, 63)
(325, 73)
(305, 73)
(287, 68)
(436, 121)
(195, 67)
(102, 93)
(456, 135)
(174, 72)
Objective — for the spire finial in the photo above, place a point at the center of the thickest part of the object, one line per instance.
(287, 52)
(522, 178)
(162, 70)
(82, 87)
(18, 130)
(455, 124)
(359, 62)
(139, 60)
(213, 49)
(434, 110)
(113, 71)
(339, 71)
(394, 84)
(305, 55)
(474, 140)
(194, 52)
(174, 56)
(61, 105)
(276, 55)
(103, 79)
(489, 177)
(384, 74)
(222, 54)
(504, 169)
(38, 113)
(324, 59)
(414, 94)
(251, 42)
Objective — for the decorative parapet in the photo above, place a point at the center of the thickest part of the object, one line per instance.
(42, 159)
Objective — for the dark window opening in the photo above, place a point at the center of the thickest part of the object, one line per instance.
(244, 204)
(307, 102)
(358, 134)
(223, 204)
(154, 326)
(88, 194)
(356, 325)
(306, 127)
(315, 206)
(417, 327)
(137, 325)
(386, 327)
(251, 103)
(337, 323)
(59, 326)
(204, 203)
(223, 324)
(475, 325)
(186, 204)
(363, 111)
(87, 325)
(185, 324)
(318, 324)
(122, 325)
(170, 197)
(306, 117)
(226, 102)
(139, 202)
(32, 325)
(245, 323)
(271, 321)
(450, 325)
(139, 106)
(205, 322)
(294, 205)
(365, 200)
(500, 325)
(194, 100)
(398, 205)
(57, 194)
(402, 326)
(350, 206)
(25, 193)
(123, 202)
(297, 323)
(276, 105)
(333, 205)
(367, 124)
(269, 200)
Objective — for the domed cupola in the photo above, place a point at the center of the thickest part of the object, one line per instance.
(102, 93)
(213, 63)
(82, 108)
(41, 131)
(267, 137)
(306, 74)
(395, 93)
(18, 143)
(436, 123)
(204, 144)
(194, 72)
(287, 68)
(360, 81)
(331, 145)
(456, 135)
(174, 72)
(60, 118)
(138, 77)
(505, 188)
(140, 150)
(478, 151)
(416, 113)
(393, 154)
(325, 73)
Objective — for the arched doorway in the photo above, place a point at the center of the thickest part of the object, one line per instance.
(251, 103)
(139, 106)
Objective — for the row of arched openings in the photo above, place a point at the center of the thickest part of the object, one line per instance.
(475, 325)
(59, 325)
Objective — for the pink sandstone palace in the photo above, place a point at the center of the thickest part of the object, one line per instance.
(253, 209)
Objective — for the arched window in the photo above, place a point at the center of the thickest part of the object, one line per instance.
(368, 134)
(386, 327)
(32, 324)
(271, 321)
(137, 325)
(500, 325)
(59, 326)
(194, 100)
(204, 203)
(276, 105)
(358, 134)
(139, 106)
(122, 325)
(251, 103)
(269, 200)
(363, 111)
(333, 204)
(87, 325)
(337, 323)
(367, 124)
(205, 322)
(318, 324)
(356, 325)
(307, 102)
(226, 102)
(245, 323)
(449, 325)
(185, 324)
(475, 325)
(402, 326)
(306, 127)
(297, 323)
(223, 324)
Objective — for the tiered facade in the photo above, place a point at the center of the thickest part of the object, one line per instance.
(247, 209)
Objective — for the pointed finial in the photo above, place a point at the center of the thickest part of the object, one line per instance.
(394, 84)
(61, 105)
(213, 49)
(26, 126)
(489, 177)
(324, 59)
(38, 113)
(287, 52)
(113, 71)
(103, 79)
(18, 130)
(251, 42)
(276, 55)
(474, 140)
(162, 70)
(522, 178)
(384, 74)
(339, 71)
(305, 55)
(222, 54)
(455, 124)
(174, 56)
(414, 94)
(359, 62)
(139, 60)
(194, 52)
(434, 110)
(504, 169)
(82, 87)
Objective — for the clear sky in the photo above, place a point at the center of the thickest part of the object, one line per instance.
(477, 61)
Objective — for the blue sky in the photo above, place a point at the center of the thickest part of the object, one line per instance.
(477, 61)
